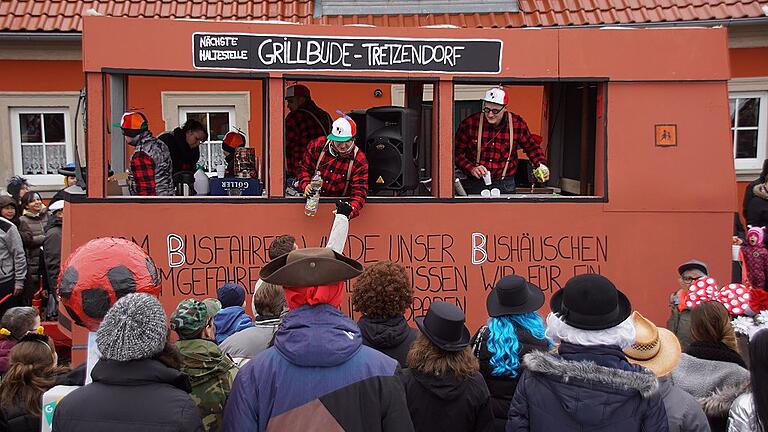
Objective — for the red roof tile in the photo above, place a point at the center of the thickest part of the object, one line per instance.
(65, 16)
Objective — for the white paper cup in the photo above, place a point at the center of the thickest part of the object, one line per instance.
(220, 170)
(735, 249)
(486, 193)
(487, 178)
(495, 192)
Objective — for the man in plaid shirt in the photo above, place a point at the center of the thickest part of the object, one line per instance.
(496, 155)
(305, 122)
(151, 166)
(343, 167)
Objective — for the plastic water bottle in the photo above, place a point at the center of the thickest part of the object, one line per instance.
(310, 208)
(201, 181)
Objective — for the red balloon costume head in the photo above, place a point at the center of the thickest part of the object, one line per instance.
(100, 272)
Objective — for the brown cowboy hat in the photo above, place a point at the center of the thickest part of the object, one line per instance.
(310, 267)
(655, 348)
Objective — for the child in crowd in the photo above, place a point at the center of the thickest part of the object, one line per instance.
(31, 373)
(232, 317)
(514, 329)
(382, 294)
(14, 325)
(443, 385)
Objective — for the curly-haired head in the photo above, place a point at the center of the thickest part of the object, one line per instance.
(382, 291)
(281, 245)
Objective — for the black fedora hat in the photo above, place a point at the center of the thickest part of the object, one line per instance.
(444, 326)
(591, 302)
(513, 295)
(309, 267)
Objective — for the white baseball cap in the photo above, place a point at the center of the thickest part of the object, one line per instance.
(56, 205)
(343, 129)
(496, 95)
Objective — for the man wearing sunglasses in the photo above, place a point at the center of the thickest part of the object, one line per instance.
(487, 142)
(679, 321)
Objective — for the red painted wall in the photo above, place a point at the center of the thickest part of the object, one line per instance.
(749, 62)
(41, 75)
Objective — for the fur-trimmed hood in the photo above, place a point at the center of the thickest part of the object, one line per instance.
(719, 402)
(590, 373)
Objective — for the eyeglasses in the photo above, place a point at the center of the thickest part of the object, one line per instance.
(495, 111)
(689, 279)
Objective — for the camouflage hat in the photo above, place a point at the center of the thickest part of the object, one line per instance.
(192, 315)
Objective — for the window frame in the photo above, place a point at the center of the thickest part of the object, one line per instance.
(231, 110)
(756, 163)
(16, 144)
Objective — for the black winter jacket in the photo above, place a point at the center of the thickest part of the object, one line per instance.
(447, 404)
(502, 388)
(183, 157)
(392, 336)
(135, 396)
(52, 250)
(586, 388)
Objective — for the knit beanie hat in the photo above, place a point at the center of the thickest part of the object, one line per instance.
(192, 315)
(231, 295)
(133, 329)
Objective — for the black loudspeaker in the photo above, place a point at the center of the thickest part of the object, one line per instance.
(391, 143)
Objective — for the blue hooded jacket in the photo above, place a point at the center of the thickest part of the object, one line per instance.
(229, 321)
(318, 373)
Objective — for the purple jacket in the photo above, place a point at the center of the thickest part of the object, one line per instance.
(5, 353)
(318, 373)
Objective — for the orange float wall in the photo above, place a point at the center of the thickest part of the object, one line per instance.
(41, 75)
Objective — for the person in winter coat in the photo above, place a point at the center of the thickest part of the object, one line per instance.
(32, 230)
(269, 307)
(133, 387)
(232, 317)
(749, 193)
(33, 371)
(514, 329)
(658, 350)
(443, 376)
(711, 369)
(184, 145)
(317, 375)
(150, 166)
(749, 412)
(756, 209)
(18, 187)
(10, 209)
(52, 255)
(382, 294)
(210, 371)
(13, 265)
(588, 384)
(679, 321)
(14, 325)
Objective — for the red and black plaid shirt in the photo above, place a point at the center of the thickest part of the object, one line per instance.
(333, 170)
(494, 149)
(143, 172)
(300, 129)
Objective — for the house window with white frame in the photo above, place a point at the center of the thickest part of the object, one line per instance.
(217, 120)
(749, 125)
(42, 142)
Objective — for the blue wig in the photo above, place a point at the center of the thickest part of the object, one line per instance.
(503, 344)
